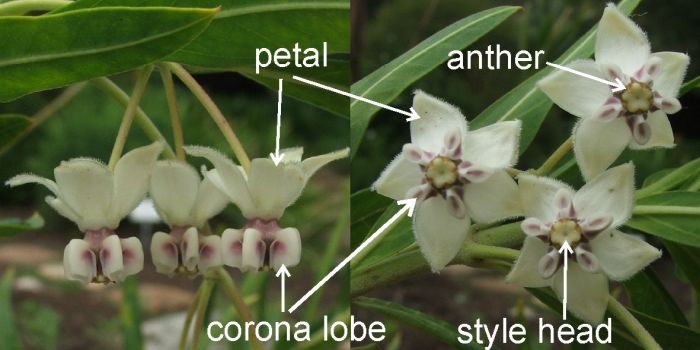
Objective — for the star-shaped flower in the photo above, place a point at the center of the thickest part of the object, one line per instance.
(456, 176)
(588, 221)
(262, 194)
(612, 121)
(97, 199)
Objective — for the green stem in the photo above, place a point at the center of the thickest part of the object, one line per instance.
(178, 137)
(238, 302)
(207, 287)
(21, 7)
(188, 319)
(632, 324)
(554, 159)
(46, 112)
(508, 235)
(665, 210)
(141, 118)
(128, 118)
(213, 111)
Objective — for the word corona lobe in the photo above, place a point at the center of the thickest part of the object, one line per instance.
(297, 56)
(491, 59)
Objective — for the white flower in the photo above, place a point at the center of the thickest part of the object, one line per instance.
(185, 203)
(587, 220)
(262, 195)
(97, 199)
(635, 117)
(456, 175)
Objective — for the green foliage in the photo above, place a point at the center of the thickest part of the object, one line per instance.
(674, 216)
(367, 206)
(648, 295)
(130, 314)
(8, 332)
(12, 126)
(13, 226)
(40, 324)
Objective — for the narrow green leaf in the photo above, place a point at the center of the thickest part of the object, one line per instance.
(366, 207)
(13, 226)
(130, 314)
(12, 126)
(656, 177)
(671, 180)
(687, 260)
(424, 323)
(8, 332)
(395, 239)
(668, 335)
(387, 82)
(50, 51)
(648, 295)
(690, 85)
(669, 215)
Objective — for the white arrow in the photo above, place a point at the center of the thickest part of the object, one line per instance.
(408, 206)
(277, 157)
(566, 249)
(412, 115)
(282, 273)
(617, 84)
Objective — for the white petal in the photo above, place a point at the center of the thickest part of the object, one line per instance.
(292, 155)
(253, 254)
(62, 209)
(210, 202)
(164, 253)
(474, 173)
(598, 144)
(494, 146)
(174, 186)
(399, 176)
(23, 179)
(661, 132)
(79, 261)
(525, 270)
(436, 119)
(620, 41)
(312, 164)
(85, 185)
(537, 196)
(610, 193)
(671, 73)
(622, 255)
(577, 95)
(190, 248)
(131, 179)
(285, 249)
(210, 253)
(111, 258)
(587, 293)
(132, 255)
(273, 188)
(494, 199)
(438, 234)
(232, 248)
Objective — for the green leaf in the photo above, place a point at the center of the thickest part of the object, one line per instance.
(526, 102)
(8, 332)
(13, 226)
(687, 260)
(668, 335)
(424, 323)
(655, 177)
(395, 239)
(50, 51)
(690, 85)
(670, 181)
(674, 216)
(12, 126)
(130, 314)
(648, 295)
(387, 82)
(366, 207)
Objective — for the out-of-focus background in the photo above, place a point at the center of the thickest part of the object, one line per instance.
(53, 313)
(384, 29)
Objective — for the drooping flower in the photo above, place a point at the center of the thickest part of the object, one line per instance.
(634, 117)
(587, 220)
(185, 203)
(456, 176)
(262, 195)
(97, 199)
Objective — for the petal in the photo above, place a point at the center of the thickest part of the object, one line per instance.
(232, 248)
(474, 173)
(436, 119)
(671, 72)
(399, 176)
(292, 155)
(190, 249)
(610, 193)
(132, 255)
(131, 179)
(661, 132)
(22, 179)
(575, 94)
(253, 254)
(61, 208)
(210, 201)
(164, 253)
(438, 234)
(525, 270)
(285, 248)
(312, 164)
(537, 196)
(533, 227)
(174, 186)
(273, 188)
(85, 185)
(620, 41)
(598, 144)
(587, 293)
(112, 259)
(228, 177)
(210, 253)
(622, 255)
(79, 261)
(494, 146)
(494, 199)
(548, 264)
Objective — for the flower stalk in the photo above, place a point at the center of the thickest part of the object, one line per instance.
(238, 302)
(665, 210)
(620, 312)
(188, 319)
(556, 157)
(167, 78)
(207, 287)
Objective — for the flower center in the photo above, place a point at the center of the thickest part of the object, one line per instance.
(637, 97)
(441, 172)
(565, 230)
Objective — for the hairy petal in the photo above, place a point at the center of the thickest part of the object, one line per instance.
(399, 176)
(494, 199)
(621, 255)
(620, 41)
(525, 271)
(494, 146)
(436, 119)
(174, 186)
(131, 179)
(598, 144)
(661, 132)
(587, 293)
(85, 185)
(537, 196)
(672, 72)
(575, 94)
(610, 193)
(438, 234)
